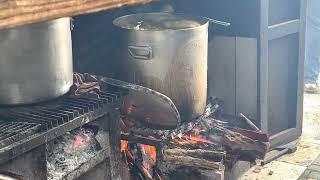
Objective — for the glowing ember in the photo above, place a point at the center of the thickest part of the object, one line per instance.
(199, 138)
(123, 145)
(81, 140)
(193, 139)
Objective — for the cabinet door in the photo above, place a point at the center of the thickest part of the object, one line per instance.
(221, 71)
(232, 74)
(247, 77)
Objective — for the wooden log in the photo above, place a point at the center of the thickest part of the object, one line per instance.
(193, 162)
(19, 12)
(144, 171)
(142, 140)
(211, 174)
(197, 153)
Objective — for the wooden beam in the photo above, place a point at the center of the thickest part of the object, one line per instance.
(19, 12)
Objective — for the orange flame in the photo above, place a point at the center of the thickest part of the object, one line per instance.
(150, 151)
(123, 145)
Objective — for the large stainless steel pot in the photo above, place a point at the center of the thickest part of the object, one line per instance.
(167, 53)
(35, 62)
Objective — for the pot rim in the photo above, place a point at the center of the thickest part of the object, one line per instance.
(119, 22)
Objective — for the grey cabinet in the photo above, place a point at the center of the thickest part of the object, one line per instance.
(281, 49)
(257, 64)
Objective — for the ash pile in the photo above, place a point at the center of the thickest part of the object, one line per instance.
(203, 148)
(67, 152)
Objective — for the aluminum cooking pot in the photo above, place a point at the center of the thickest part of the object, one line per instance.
(167, 53)
(35, 62)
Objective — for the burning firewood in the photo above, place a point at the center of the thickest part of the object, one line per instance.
(197, 153)
(198, 158)
(193, 162)
(239, 142)
(204, 143)
(176, 133)
(141, 139)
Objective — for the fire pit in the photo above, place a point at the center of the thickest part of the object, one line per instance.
(82, 135)
(205, 147)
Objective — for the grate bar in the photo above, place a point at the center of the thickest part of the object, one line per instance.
(75, 111)
(19, 118)
(107, 96)
(17, 132)
(36, 118)
(39, 114)
(30, 126)
(86, 101)
(90, 106)
(12, 127)
(82, 108)
(54, 113)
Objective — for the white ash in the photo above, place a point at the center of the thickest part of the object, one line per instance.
(70, 151)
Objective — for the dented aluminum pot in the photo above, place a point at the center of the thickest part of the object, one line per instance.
(35, 62)
(167, 53)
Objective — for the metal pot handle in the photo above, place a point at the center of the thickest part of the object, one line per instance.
(140, 52)
(217, 22)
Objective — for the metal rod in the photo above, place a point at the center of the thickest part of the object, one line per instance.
(250, 123)
(217, 22)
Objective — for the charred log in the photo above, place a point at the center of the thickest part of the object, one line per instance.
(193, 162)
(141, 139)
(217, 156)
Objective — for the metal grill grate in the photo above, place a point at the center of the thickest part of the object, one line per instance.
(23, 128)
(60, 112)
(13, 131)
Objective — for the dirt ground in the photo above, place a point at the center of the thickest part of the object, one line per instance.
(295, 166)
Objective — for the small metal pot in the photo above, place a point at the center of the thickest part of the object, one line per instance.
(35, 62)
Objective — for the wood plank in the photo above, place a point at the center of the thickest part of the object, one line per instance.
(300, 88)
(20, 12)
(284, 137)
